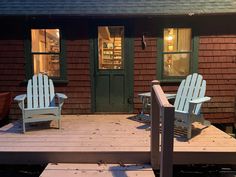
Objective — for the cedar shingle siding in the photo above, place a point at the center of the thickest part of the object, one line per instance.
(12, 68)
(212, 21)
(217, 63)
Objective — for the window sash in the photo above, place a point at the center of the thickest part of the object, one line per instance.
(193, 64)
(53, 70)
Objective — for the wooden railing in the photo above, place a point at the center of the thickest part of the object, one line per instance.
(162, 114)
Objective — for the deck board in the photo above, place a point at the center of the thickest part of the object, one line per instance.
(98, 170)
(117, 136)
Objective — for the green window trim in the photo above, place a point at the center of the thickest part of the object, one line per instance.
(160, 58)
(29, 60)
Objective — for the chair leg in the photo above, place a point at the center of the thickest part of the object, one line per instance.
(189, 131)
(23, 122)
(207, 123)
(59, 123)
(23, 126)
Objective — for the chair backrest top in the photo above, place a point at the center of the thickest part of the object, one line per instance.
(40, 92)
(190, 88)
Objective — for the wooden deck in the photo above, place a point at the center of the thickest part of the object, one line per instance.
(109, 139)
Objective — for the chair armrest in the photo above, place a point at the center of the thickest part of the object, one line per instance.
(200, 100)
(21, 101)
(170, 96)
(146, 94)
(61, 96)
(20, 98)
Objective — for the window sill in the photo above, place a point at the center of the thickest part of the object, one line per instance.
(60, 81)
(171, 80)
(55, 81)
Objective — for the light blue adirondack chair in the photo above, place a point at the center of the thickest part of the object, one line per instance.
(188, 101)
(41, 105)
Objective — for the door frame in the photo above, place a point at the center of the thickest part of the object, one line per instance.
(128, 55)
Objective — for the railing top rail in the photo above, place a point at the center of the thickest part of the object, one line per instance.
(160, 96)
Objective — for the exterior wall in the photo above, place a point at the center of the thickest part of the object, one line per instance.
(144, 61)
(12, 61)
(12, 67)
(78, 88)
(217, 64)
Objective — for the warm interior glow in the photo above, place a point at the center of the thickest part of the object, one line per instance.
(169, 38)
(177, 45)
(45, 51)
(110, 47)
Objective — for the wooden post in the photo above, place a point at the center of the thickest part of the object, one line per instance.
(155, 130)
(160, 108)
(166, 162)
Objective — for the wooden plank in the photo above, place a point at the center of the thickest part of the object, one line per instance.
(46, 91)
(155, 130)
(51, 93)
(74, 157)
(179, 94)
(100, 166)
(29, 94)
(35, 92)
(88, 138)
(98, 170)
(41, 94)
(192, 88)
(204, 158)
(166, 158)
(184, 93)
(49, 148)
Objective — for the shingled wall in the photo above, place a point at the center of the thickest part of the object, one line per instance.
(217, 64)
(12, 68)
(12, 62)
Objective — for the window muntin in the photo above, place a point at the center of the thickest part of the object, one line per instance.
(176, 52)
(110, 47)
(45, 50)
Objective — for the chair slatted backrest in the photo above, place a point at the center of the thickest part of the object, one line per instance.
(40, 92)
(190, 88)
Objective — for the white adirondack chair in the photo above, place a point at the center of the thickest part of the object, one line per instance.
(41, 104)
(188, 101)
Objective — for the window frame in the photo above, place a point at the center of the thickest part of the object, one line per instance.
(29, 68)
(160, 55)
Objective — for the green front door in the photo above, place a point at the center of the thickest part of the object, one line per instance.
(112, 80)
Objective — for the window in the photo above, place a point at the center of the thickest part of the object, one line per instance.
(46, 54)
(177, 57)
(110, 47)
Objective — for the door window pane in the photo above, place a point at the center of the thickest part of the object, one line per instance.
(110, 47)
(45, 49)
